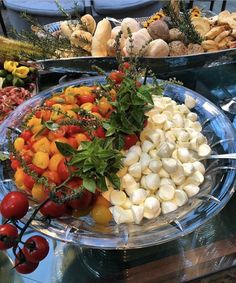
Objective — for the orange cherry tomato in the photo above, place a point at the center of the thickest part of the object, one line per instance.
(52, 176)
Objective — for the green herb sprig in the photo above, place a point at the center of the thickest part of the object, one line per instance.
(94, 162)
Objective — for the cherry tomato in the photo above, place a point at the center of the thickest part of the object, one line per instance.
(10, 231)
(53, 209)
(25, 267)
(100, 133)
(26, 135)
(95, 108)
(130, 140)
(28, 181)
(125, 66)
(36, 169)
(83, 201)
(27, 155)
(14, 205)
(36, 248)
(116, 77)
(138, 84)
(86, 98)
(72, 129)
(73, 142)
(52, 176)
(62, 170)
(15, 164)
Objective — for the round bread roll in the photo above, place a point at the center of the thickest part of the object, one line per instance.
(100, 38)
(140, 42)
(177, 48)
(89, 22)
(82, 39)
(129, 23)
(111, 47)
(195, 48)
(159, 29)
(176, 34)
(157, 48)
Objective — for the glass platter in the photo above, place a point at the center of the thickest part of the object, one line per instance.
(217, 189)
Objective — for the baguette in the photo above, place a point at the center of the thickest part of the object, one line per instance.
(100, 39)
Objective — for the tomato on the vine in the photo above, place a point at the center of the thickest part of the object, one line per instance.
(36, 248)
(53, 209)
(14, 205)
(130, 140)
(7, 230)
(25, 267)
(116, 76)
(73, 129)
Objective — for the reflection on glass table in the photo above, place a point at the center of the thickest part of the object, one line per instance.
(209, 249)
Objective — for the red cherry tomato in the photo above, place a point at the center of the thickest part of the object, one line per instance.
(14, 205)
(10, 231)
(86, 98)
(62, 170)
(125, 66)
(72, 129)
(25, 267)
(73, 142)
(95, 108)
(36, 169)
(52, 209)
(138, 84)
(28, 181)
(100, 133)
(26, 135)
(15, 164)
(36, 248)
(130, 140)
(83, 202)
(116, 76)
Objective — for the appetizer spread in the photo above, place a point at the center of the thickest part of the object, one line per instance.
(117, 150)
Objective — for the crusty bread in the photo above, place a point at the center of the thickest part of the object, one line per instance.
(100, 38)
(89, 22)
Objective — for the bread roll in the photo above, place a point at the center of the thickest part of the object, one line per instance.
(177, 48)
(82, 39)
(68, 28)
(159, 29)
(140, 42)
(157, 48)
(129, 23)
(89, 22)
(100, 38)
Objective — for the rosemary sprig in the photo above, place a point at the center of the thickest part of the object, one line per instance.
(183, 22)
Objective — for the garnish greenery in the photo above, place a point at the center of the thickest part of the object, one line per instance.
(183, 22)
(94, 162)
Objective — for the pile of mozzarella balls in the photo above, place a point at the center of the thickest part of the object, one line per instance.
(162, 171)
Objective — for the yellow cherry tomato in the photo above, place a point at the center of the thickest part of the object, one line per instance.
(41, 159)
(19, 144)
(101, 214)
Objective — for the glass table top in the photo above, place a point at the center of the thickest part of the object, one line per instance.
(209, 249)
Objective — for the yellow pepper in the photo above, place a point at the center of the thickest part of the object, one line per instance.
(21, 72)
(10, 66)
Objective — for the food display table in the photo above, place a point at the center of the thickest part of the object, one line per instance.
(204, 253)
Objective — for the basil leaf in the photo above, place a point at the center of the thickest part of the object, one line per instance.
(114, 179)
(89, 184)
(65, 149)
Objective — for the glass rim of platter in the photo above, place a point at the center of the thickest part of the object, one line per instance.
(213, 195)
